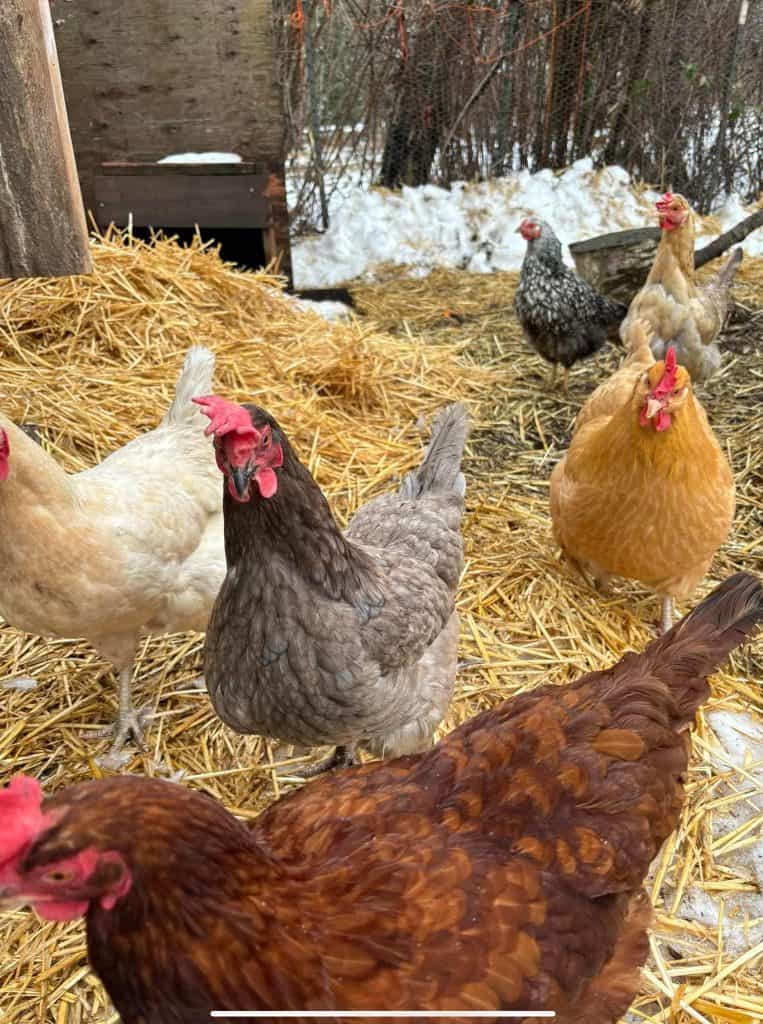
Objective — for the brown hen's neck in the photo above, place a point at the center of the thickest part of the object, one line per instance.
(676, 246)
(201, 888)
(295, 526)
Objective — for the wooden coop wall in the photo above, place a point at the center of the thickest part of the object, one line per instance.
(152, 77)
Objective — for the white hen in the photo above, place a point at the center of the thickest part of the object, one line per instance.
(131, 546)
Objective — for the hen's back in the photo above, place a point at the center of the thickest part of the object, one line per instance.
(422, 519)
(563, 317)
(521, 842)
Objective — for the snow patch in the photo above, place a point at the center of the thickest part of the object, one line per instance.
(473, 226)
(201, 158)
(328, 309)
(22, 683)
(740, 746)
(729, 214)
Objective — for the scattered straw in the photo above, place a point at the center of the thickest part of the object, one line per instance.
(93, 361)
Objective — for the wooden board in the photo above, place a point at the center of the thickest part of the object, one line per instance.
(149, 78)
(42, 222)
(180, 196)
(616, 240)
(617, 264)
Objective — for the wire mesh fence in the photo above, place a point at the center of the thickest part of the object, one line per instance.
(414, 91)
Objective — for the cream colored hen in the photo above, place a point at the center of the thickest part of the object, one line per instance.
(679, 310)
(131, 546)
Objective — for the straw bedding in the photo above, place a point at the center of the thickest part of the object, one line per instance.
(93, 362)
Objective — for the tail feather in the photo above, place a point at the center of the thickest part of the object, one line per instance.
(637, 335)
(440, 469)
(699, 644)
(195, 379)
(727, 273)
(614, 312)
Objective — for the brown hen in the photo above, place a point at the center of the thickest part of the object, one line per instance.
(501, 870)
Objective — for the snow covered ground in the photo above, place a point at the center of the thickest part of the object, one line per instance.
(739, 757)
(473, 226)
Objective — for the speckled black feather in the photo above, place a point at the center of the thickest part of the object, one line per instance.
(562, 316)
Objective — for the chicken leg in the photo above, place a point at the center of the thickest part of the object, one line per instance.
(129, 724)
(666, 616)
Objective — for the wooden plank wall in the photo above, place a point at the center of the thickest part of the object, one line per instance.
(147, 78)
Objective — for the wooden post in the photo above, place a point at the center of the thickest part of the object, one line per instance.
(42, 220)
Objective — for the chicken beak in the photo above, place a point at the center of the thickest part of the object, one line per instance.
(653, 406)
(241, 475)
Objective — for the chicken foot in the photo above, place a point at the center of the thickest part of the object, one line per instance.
(129, 724)
(552, 378)
(343, 757)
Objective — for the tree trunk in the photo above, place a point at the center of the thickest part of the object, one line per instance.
(315, 113)
(421, 112)
(503, 160)
(616, 143)
(42, 220)
(564, 84)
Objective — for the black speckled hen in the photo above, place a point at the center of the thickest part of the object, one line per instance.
(562, 316)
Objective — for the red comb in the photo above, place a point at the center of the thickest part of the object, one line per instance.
(669, 374)
(21, 817)
(226, 417)
(666, 200)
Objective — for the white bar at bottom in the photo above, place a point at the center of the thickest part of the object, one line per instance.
(392, 1014)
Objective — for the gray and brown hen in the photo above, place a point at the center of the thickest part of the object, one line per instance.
(322, 637)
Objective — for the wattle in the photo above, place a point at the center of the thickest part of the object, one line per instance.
(51, 910)
(267, 482)
(662, 421)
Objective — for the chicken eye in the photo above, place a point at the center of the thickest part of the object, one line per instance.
(58, 876)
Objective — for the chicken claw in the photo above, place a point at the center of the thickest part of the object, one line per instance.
(343, 757)
(128, 725)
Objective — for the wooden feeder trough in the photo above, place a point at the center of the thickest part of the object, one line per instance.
(159, 78)
(617, 264)
(224, 201)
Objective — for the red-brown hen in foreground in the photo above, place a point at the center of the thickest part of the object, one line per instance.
(501, 869)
